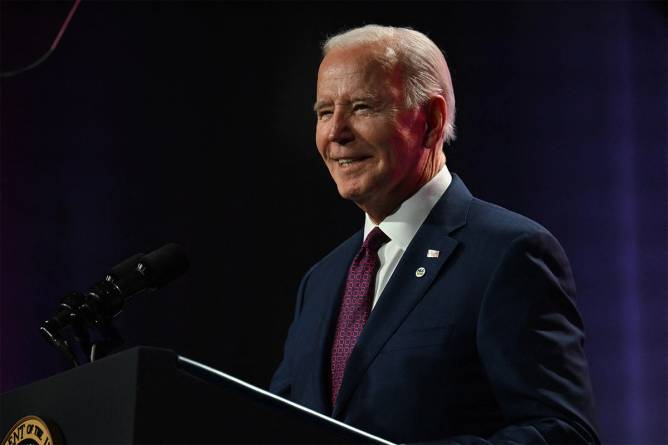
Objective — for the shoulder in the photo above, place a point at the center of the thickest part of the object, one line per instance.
(493, 219)
(470, 219)
(494, 225)
(519, 248)
(493, 235)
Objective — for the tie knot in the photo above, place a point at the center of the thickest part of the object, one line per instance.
(375, 239)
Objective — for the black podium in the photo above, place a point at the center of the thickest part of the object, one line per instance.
(148, 395)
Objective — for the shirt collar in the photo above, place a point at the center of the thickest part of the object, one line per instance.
(402, 225)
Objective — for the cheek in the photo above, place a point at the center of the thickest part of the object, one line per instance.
(320, 139)
(383, 133)
(320, 146)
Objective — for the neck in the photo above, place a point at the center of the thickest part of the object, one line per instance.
(381, 209)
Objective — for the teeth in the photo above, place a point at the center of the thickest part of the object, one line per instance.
(346, 161)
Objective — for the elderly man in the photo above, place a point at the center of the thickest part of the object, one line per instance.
(446, 318)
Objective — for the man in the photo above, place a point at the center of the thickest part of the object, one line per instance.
(447, 318)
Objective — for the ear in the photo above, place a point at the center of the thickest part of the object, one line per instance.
(436, 113)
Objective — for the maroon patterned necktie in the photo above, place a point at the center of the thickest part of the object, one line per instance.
(356, 305)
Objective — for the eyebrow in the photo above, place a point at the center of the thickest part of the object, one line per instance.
(319, 104)
(365, 98)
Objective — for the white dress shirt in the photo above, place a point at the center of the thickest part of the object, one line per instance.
(403, 224)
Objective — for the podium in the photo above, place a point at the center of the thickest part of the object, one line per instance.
(148, 395)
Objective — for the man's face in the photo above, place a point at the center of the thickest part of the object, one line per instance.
(370, 143)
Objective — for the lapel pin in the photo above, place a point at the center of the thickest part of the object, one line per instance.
(432, 253)
(420, 272)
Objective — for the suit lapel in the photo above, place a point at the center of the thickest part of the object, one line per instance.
(405, 288)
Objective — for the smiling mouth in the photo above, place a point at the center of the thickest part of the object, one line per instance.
(344, 162)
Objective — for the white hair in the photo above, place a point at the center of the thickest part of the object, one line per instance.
(426, 71)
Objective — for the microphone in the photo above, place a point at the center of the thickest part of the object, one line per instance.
(104, 300)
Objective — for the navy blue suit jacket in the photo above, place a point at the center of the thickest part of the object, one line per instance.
(485, 347)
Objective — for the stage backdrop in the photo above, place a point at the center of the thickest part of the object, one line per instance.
(192, 122)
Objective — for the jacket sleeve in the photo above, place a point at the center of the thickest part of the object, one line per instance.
(530, 341)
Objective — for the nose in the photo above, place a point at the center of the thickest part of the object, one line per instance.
(340, 130)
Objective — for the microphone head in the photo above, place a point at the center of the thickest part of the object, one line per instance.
(124, 268)
(164, 264)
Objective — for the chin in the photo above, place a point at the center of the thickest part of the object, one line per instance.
(359, 197)
(347, 192)
(360, 188)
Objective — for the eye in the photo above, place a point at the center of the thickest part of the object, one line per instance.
(361, 106)
(323, 114)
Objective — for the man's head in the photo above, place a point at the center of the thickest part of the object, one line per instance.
(385, 106)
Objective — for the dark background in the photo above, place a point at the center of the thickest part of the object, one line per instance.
(192, 122)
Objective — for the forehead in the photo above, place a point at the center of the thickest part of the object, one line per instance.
(358, 70)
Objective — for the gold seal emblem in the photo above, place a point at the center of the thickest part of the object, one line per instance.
(31, 430)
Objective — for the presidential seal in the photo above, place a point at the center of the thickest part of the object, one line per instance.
(31, 430)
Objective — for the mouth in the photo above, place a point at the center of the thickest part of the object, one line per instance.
(347, 162)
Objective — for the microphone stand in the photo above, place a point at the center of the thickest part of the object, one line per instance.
(111, 339)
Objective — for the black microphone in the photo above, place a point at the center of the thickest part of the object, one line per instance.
(105, 299)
